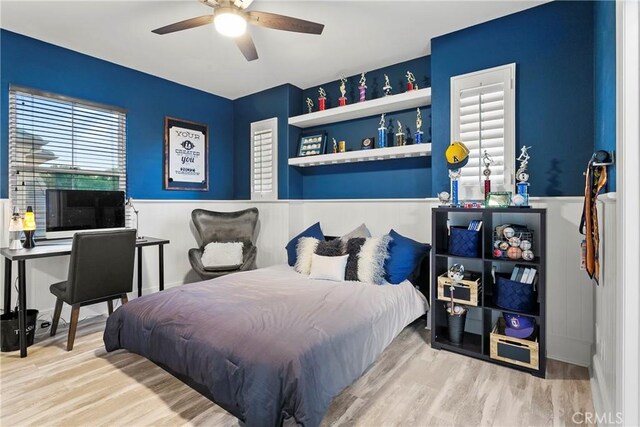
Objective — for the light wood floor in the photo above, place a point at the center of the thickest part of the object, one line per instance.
(410, 384)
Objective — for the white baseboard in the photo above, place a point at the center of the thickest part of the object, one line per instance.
(568, 350)
(601, 402)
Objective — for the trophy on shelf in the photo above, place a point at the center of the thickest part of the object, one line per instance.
(419, 133)
(487, 161)
(444, 198)
(522, 196)
(411, 79)
(387, 86)
(335, 146)
(322, 99)
(343, 92)
(310, 105)
(457, 156)
(382, 132)
(363, 88)
(454, 176)
(401, 138)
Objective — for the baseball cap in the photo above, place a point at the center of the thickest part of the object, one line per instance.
(457, 155)
(518, 326)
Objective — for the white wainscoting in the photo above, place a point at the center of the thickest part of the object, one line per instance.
(570, 295)
(603, 366)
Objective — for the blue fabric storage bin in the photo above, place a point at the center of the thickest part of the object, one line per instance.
(512, 295)
(464, 242)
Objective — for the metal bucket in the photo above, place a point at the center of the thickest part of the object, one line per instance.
(456, 327)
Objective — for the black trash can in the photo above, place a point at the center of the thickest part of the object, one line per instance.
(10, 330)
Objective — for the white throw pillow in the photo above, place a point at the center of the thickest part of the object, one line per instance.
(305, 250)
(222, 254)
(328, 267)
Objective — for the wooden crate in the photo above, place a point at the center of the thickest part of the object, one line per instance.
(466, 292)
(512, 350)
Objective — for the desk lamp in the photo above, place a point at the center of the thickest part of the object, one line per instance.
(29, 228)
(135, 211)
(15, 227)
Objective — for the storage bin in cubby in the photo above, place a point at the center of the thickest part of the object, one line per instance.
(466, 292)
(512, 295)
(464, 242)
(517, 351)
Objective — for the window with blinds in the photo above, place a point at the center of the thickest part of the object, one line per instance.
(483, 118)
(56, 142)
(264, 159)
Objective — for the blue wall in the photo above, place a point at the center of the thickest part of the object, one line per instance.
(565, 56)
(148, 99)
(605, 81)
(552, 46)
(406, 178)
(281, 102)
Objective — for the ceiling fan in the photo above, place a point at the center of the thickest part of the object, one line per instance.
(230, 19)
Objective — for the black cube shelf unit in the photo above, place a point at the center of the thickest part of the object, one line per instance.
(482, 318)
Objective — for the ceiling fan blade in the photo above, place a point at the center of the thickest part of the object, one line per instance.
(210, 3)
(246, 46)
(285, 23)
(243, 3)
(185, 25)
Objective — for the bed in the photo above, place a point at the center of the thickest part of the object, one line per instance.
(270, 346)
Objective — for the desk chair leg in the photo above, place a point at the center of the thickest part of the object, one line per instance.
(110, 304)
(73, 326)
(124, 299)
(56, 316)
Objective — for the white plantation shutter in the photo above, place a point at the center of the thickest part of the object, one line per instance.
(56, 142)
(483, 118)
(264, 160)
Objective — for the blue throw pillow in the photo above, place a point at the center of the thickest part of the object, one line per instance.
(404, 256)
(313, 231)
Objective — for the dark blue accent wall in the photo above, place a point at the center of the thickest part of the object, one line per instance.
(552, 46)
(406, 178)
(605, 81)
(281, 102)
(148, 99)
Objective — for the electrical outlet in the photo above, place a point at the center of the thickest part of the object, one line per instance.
(43, 324)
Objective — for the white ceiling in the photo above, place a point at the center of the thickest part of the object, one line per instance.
(358, 36)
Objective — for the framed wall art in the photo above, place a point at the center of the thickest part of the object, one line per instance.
(186, 155)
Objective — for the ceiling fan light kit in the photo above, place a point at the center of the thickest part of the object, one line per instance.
(230, 19)
(229, 22)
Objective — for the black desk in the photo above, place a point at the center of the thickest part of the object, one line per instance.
(46, 249)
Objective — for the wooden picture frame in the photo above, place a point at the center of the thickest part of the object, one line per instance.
(312, 143)
(186, 155)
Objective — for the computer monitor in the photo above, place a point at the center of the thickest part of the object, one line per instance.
(70, 211)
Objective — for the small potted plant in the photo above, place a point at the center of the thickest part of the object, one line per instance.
(456, 314)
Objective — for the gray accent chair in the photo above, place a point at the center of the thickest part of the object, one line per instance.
(100, 270)
(224, 227)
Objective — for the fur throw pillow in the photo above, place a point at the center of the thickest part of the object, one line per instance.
(304, 251)
(371, 259)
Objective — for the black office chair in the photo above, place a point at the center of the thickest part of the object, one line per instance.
(225, 227)
(100, 269)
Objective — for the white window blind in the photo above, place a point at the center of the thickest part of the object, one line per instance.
(56, 142)
(483, 118)
(264, 159)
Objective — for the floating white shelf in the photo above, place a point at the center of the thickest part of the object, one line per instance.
(405, 151)
(386, 104)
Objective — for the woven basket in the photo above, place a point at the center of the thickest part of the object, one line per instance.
(464, 242)
(512, 295)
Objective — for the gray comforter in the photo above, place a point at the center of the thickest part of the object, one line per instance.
(271, 346)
